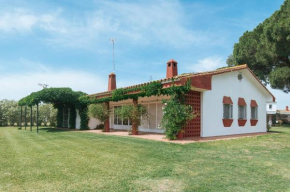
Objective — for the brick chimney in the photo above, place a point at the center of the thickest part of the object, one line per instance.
(112, 82)
(171, 69)
(287, 108)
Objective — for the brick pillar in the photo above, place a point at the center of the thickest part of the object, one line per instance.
(134, 123)
(107, 122)
(180, 135)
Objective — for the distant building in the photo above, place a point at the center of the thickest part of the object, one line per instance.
(284, 115)
(271, 109)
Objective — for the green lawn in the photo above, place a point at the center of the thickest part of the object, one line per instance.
(55, 160)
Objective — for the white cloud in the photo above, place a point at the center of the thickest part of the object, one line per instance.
(207, 64)
(158, 22)
(18, 85)
(17, 20)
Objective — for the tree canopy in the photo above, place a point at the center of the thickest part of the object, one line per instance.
(266, 49)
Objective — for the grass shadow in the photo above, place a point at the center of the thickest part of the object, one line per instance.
(55, 130)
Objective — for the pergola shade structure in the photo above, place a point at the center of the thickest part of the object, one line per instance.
(61, 98)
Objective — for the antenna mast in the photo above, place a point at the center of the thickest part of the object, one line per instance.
(44, 86)
(113, 41)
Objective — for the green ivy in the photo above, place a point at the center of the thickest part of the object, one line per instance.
(60, 98)
(59, 116)
(72, 117)
(172, 122)
(151, 89)
(83, 112)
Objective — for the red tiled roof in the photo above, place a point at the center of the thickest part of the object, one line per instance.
(186, 75)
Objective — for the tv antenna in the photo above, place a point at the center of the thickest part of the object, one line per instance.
(44, 86)
(113, 41)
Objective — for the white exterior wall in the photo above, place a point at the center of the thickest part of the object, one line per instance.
(93, 123)
(274, 108)
(227, 84)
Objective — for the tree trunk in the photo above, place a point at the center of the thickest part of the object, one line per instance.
(135, 123)
(107, 122)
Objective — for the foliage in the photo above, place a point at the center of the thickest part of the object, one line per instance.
(72, 117)
(176, 115)
(99, 111)
(133, 113)
(280, 78)
(151, 89)
(9, 113)
(100, 126)
(56, 96)
(60, 98)
(59, 116)
(47, 114)
(83, 112)
(266, 49)
(280, 122)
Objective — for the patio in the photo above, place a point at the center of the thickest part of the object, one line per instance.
(161, 137)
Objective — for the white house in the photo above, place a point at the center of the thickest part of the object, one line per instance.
(229, 101)
(271, 109)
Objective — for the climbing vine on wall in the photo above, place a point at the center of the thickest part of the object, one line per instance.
(172, 122)
(151, 89)
(83, 112)
(59, 116)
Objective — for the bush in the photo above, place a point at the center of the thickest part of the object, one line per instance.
(176, 115)
(99, 111)
(280, 122)
(100, 126)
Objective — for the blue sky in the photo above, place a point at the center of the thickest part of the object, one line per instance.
(65, 43)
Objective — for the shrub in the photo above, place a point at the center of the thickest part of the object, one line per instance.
(280, 122)
(100, 126)
(99, 111)
(176, 115)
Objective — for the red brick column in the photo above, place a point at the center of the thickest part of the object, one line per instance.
(134, 123)
(107, 122)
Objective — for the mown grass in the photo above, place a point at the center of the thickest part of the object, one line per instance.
(57, 160)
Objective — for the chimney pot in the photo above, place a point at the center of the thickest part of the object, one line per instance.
(171, 68)
(287, 108)
(112, 82)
